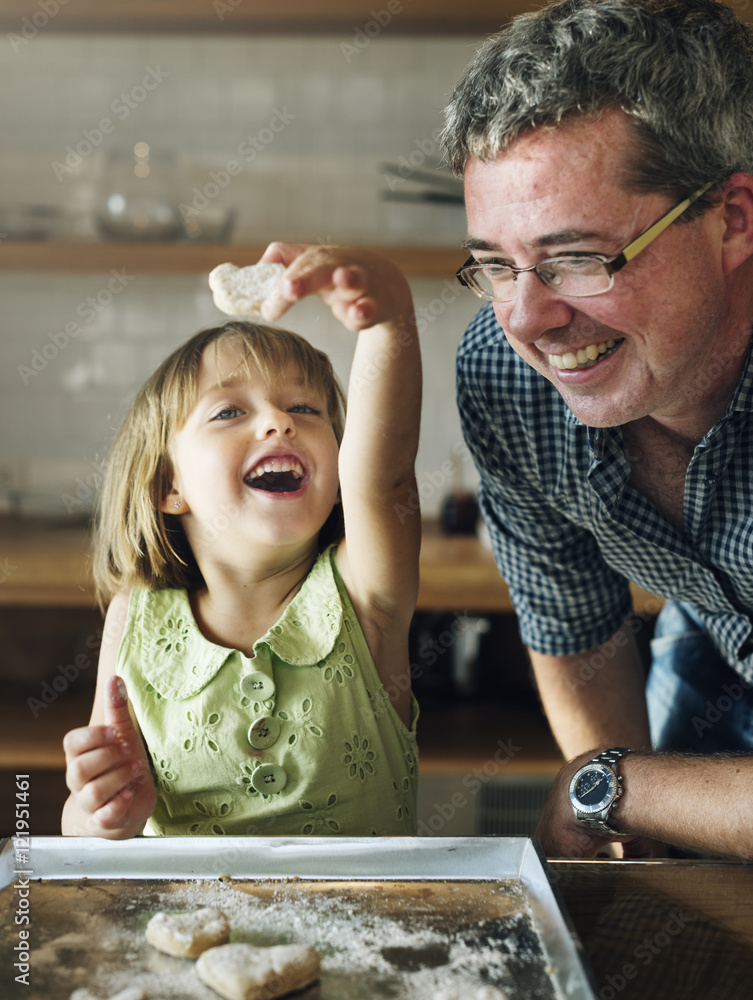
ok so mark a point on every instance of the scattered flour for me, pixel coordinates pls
(412, 940)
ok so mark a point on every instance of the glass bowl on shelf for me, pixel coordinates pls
(137, 196)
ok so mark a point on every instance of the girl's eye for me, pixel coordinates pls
(227, 414)
(302, 408)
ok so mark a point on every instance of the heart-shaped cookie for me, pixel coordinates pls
(187, 935)
(240, 291)
(244, 972)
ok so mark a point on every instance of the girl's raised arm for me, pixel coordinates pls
(371, 297)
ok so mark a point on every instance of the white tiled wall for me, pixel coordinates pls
(310, 121)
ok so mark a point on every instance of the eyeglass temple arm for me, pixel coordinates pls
(650, 234)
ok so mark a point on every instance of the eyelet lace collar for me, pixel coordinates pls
(181, 660)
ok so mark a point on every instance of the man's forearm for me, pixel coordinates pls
(697, 803)
(595, 698)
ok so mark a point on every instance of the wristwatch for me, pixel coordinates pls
(595, 788)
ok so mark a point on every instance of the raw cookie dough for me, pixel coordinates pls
(243, 972)
(240, 291)
(187, 935)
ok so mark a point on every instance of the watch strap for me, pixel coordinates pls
(610, 757)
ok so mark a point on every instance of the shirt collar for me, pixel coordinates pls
(183, 660)
(742, 398)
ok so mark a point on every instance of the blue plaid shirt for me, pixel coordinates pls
(568, 532)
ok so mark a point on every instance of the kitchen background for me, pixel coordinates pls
(294, 134)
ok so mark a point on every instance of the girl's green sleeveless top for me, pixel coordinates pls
(299, 740)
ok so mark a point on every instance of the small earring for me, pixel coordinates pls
(176, 503)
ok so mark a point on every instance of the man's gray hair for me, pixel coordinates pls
(682, 70)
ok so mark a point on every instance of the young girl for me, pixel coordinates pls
(265, 654)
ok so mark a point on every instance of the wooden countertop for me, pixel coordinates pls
(45, 565)
(659, 930)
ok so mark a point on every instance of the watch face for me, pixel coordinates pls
(593, 788)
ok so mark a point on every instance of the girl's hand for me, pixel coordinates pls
(107, 770)
(362, 288)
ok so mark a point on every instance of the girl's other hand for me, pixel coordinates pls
(107, 770)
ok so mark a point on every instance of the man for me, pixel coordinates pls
(607, 150)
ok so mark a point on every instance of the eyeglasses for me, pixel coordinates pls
(574, 274)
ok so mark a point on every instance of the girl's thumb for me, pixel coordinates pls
(116, 706)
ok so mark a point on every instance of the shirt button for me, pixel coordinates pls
(264, 732)
(710, 480)
(269, 779)
(257, 686)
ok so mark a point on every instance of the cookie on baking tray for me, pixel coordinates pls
(187, 935)
(244, 972)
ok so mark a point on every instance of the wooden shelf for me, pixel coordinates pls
(228, 16)
(190, 258)
(232, 16)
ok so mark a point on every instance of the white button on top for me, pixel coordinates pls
(269, 779)
(257, 686)
(264, 732)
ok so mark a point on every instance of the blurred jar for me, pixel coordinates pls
(137, 199)
(459, 514)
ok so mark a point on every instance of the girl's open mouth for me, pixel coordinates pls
(275, 482)
(276, 476)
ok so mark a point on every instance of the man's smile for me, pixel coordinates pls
(585, 357)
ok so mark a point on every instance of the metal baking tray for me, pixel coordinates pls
(407, 917)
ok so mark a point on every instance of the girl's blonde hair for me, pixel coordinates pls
(135, 543)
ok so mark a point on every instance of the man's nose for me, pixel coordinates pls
(535, 309)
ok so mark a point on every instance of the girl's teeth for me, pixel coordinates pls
(293, 467)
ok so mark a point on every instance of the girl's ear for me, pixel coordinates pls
(173, 503)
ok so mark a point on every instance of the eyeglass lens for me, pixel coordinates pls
(577, 276)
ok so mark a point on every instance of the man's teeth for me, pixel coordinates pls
(273, 465)
(585, 357)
